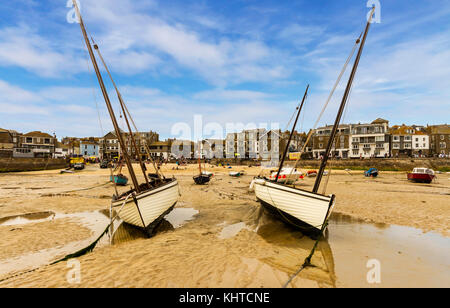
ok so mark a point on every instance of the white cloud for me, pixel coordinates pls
(22, 47)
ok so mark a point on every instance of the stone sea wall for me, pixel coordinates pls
(31, 164)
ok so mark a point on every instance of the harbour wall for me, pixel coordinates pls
(14, 164)
(382, 164)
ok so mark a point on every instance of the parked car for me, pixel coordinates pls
(78, 166)
(105, 164)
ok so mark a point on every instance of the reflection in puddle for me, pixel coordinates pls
(26, 218)
(124, 232)
(232, 230)
(408, 257)
(179, 216)
(291, 248)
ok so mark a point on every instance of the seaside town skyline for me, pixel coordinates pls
(378, 139)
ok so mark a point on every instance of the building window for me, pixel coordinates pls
(320, 145)
(367, 146)
(46, 141)
(355, 152)
(396, 146)
(417, 145)
(443, 145)
(442, 137)
(355, 139)
(379, 138)
(355, 146)
(407, 138)
(407, 145)
(396, 138)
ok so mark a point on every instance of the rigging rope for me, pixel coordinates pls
(344, 68)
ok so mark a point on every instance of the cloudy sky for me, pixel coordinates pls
(246, 61)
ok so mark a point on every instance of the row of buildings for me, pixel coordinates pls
(378, 139)
(370, 140)
(363, 140)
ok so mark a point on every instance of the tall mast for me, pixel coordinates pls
(342, 107)
(107, 101)
(292, 133)
(122, 105)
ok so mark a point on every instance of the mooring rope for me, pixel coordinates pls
(307, 262)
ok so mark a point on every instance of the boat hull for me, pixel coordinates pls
(119, 180)
(420, 177)
(201, 179)
(149, 206)
(302, 209)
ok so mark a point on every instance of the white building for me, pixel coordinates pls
(370, 140)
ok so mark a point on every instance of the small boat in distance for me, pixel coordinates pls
(287, 175)
(119, 179)
(372, 172)
(421, 175)
(202, 178)
(311, 173)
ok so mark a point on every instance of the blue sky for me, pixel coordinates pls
(229, 61)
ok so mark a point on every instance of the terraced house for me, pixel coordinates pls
(340, 147)
(36, 144)
(9, 139)
(439, 139)
(408, 141)
(370, 140)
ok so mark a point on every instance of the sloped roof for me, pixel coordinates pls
(402, 130)
(160, 143)
(380, 121)
(38, 134)
(440, 129)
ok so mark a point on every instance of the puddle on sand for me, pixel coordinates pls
(179, 216)
(26, 218)
(124, 232)
(408, 257)
(232, 230)
(95, 221)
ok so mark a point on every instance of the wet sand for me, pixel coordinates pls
(220, 237)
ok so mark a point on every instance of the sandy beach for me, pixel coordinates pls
(218, 235)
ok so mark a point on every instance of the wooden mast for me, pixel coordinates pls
(342, 107)
(107, 101)
(292, 133)
(122, 105)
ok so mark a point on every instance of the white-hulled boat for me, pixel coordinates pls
(146, 204)
(303, 209)
(300, 208)
(147, 208)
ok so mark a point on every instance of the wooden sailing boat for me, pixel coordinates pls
(306, 210)
(146, 204)
(201, 178)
